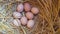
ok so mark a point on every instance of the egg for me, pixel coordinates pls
(20, 7)
(17, 22)
(17, 15)
(35, 10)
(27, 7)
(24, 20)
(29, 15)
(30, 23)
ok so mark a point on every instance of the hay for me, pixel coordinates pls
(48, 19)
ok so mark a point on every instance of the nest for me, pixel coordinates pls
(48, 19)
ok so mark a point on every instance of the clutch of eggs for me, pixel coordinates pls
(27, 18)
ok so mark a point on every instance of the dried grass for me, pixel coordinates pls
(48, 19)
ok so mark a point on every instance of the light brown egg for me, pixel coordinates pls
(17, 15)
(20, 7)
(27, 7)
(34, 10)
(30, 23)
(17, 22)
(29, 15)
(24, 20)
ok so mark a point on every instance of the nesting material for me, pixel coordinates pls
(48, 17)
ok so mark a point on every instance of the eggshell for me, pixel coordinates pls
(27, 7)
(34, 10)
(17, 22)
(30, 23)
(20, 7)
(17, 15)
(24, 20)
(29, 15)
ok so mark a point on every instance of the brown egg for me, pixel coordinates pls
(29, 15)
(17, 22)
(20, 7)
(34, 10)
(17, 15)
(30, 23)
(27, 7)
(24, 20)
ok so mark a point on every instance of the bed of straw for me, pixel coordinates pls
(47, 21)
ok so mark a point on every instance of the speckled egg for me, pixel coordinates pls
(29, 15)
(17, 15)
(34, 10)
(24, 20)
(27, 7)
(30, 23)
(20, 7)
(17, 22)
